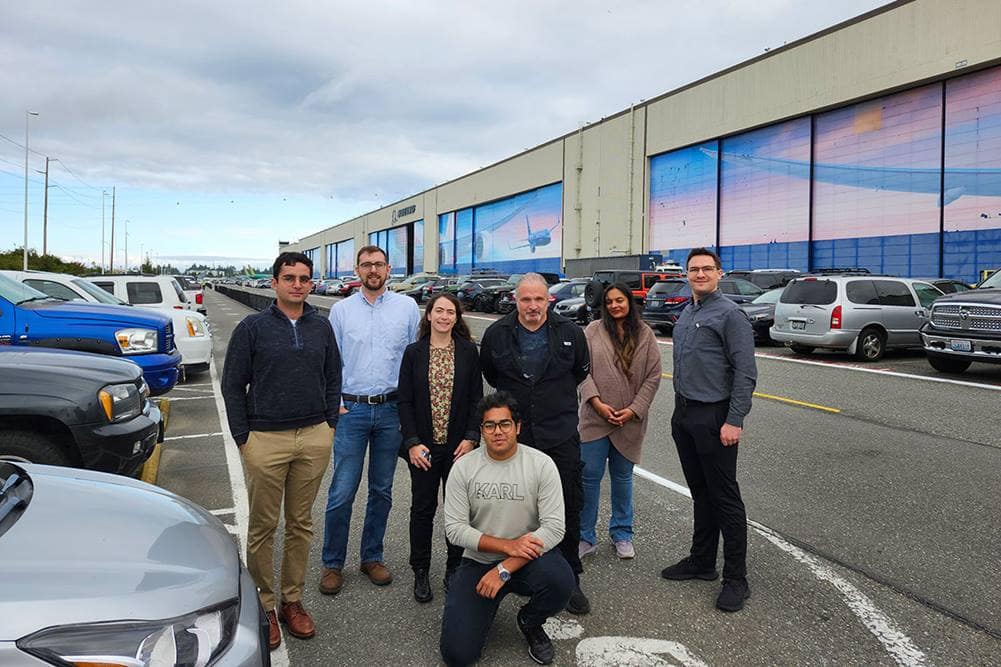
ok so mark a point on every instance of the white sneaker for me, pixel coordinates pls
(624, 549)
(585, 548)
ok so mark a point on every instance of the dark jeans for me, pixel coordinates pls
(424, 485)
(711, 473)
(547, 581)
(566, 456)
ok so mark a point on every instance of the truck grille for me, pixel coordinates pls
(966, 317)
(168, 339)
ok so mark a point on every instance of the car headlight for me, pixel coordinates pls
(195, 328)
(136, 341)
(121, 401)
(759, 317)
(188, 641)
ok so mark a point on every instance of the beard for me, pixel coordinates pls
(373, 282)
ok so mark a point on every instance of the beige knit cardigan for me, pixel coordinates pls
(607, 381)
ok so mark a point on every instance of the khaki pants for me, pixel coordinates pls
(277, 463)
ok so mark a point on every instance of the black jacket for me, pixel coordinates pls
(549, 406)
(415, 396)
(279, 376)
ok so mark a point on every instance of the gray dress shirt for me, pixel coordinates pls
(714, 355)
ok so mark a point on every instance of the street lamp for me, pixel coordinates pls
(104, 193)
(27, 115)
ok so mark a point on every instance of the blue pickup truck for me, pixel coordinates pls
(29, 317)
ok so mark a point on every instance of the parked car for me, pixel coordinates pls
(964, 328)
(639, 282)
(80, 409)
(99, 569)
(410, 282)
(193, 291)
(766, 279)
(328, 287)
(471, 290)
(862, 314)
(192, 333)
(670, 268)
(948, 285)
(436, 286)
(347, 287)
(32, 318)
(667, 298)
(147, 291)
(739, 290)
(573, 309)
(492, 296)
(761, 313)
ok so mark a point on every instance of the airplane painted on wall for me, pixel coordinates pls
(958, 182)
(539, 237)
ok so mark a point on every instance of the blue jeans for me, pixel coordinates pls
(375, 428)
(620, 471)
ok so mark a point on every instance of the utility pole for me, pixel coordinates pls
(111, 257)
(45, 211)
(27, 115)
(126, 246)
(104, 193)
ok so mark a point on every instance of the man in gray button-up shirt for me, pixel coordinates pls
(714, 378)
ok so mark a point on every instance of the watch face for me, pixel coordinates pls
(504, 574)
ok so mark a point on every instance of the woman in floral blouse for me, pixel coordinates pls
(440, 385)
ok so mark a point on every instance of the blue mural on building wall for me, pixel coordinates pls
(880, 197)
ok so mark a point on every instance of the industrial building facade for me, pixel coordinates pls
(875, 143)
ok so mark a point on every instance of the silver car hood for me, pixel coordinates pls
(65, 561)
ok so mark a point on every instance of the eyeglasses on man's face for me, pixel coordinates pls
(708, 270)
(505, 425)
(368, 266)
(289, 279)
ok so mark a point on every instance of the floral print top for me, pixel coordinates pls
(441, 372)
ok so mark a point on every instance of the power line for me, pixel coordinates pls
(73, 174)
(21, 145)
(72, 196)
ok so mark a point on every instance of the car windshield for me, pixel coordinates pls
(993, 281)
(771, 296)
(187, 282)
(99, 294)
(16, 292)
(810, 292)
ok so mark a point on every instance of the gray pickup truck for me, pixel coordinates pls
(79, 409)
(965, 327)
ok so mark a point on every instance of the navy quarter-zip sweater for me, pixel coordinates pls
(279, 375)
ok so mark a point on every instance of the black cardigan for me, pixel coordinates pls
(415, 396)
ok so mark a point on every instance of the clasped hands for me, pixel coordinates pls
(527, 547)
(610, 414)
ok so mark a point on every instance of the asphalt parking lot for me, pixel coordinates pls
(872, 493)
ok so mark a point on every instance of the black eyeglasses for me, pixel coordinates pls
(505, 425)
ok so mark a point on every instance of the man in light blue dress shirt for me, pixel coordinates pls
(372, 328)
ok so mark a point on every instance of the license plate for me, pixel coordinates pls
(653, 305)
(960, 345)
(797, 325)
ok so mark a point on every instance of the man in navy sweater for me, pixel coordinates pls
(282, 389)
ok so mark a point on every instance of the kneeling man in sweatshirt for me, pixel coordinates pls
(504, 506)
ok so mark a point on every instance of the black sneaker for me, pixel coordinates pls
(540, 647)
(422, 586)
(687, 568)
(578, 602)
(733, 594)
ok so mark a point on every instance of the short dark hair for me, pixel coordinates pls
(368, 250)
(290, 259)
(499, 399)
(695, 252)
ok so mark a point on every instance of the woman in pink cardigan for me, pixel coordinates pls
(614, 402)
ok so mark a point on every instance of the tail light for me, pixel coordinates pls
(836, 318)
(676, 299)
(551, 298)
(198, 298)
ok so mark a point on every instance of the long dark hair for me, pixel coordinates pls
(460, 330)
(626, 344)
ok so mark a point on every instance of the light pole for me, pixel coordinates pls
(126, 247)
(27, 115)
(104, 193)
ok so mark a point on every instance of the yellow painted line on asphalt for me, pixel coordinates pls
(783, 399)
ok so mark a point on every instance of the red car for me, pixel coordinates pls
(347, 288)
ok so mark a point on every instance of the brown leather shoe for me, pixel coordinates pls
(274, 632)
(297, 620)
(331, 581)
(377, 573)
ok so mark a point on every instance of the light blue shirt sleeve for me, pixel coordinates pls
(371, 338)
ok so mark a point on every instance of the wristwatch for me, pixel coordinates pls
(502, 571)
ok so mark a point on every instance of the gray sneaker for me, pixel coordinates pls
(624, 549)
(585, 548)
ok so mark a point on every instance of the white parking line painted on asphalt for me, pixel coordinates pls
(188, 437)
(238, 485)
(874, 371)
(188, 387)
(897, 644)
(223, 511)
(189, 398)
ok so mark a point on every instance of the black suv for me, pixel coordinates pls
(965, 327)
(75, 409)
(766, 279)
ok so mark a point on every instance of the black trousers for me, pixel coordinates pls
(566, 456)
(424, 485)
(547, 581)
(711, 473)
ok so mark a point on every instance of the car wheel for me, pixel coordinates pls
(871, 345)
(593, 292)
(479, 303)
(801, 349)
(948, 365)
(30, 447)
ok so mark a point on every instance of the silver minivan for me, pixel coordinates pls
(862, 314)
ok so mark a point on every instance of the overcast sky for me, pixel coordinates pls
(226, 126)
